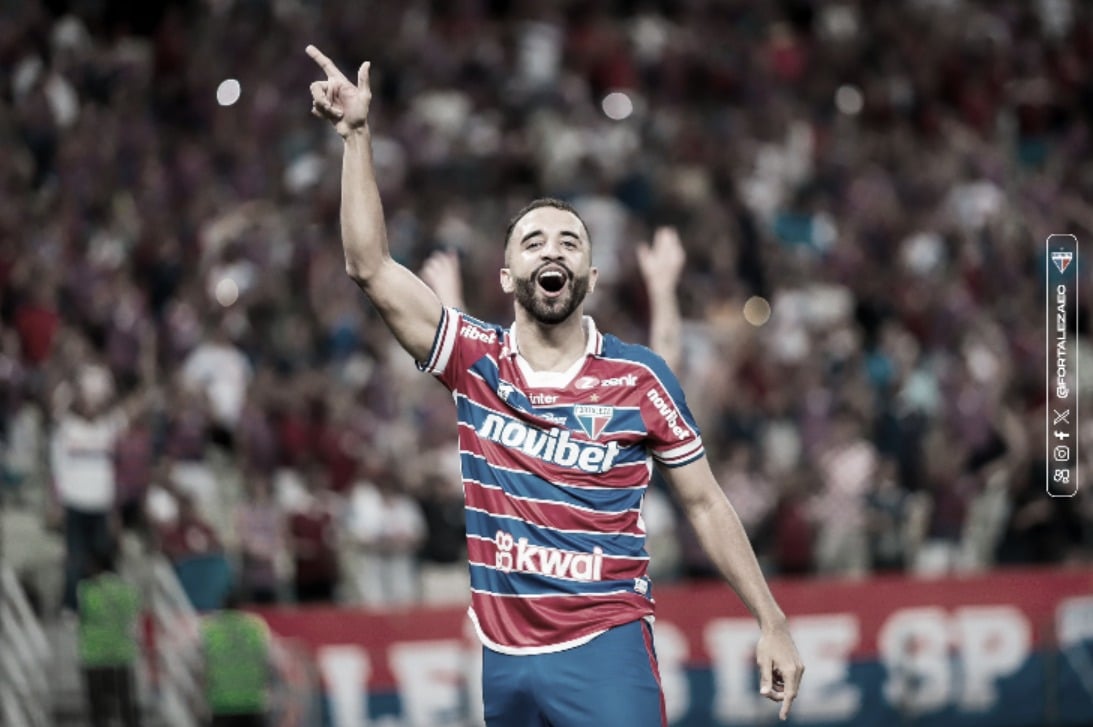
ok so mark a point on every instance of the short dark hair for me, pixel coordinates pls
(535, 204)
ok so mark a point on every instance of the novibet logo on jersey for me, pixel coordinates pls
(552, 446)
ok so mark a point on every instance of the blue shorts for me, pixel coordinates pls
(612, 681)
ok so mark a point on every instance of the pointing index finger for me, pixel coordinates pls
(792, 686)
(325, 63)
(787, 701)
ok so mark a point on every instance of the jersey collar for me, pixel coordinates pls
(593, 339)
(553, 379)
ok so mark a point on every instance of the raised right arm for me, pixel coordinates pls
(408, 306)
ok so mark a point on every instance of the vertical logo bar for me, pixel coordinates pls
(1061, 278)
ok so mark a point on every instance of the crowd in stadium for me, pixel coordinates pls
(183, 358)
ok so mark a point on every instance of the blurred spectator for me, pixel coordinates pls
(109, 612)
(197, 555)
(847, 467)
(220, 371)
(84, 477)
(188, 535)
(662, 533)
(661, 265)
(443, 555)
(386, 529)
(186, 445)
(887, 521)
(752, 494)
(36, 321)
(22, 442)
(794, 534)
(134, 462)
(259, 527)
(313, 533)
(1039, 529)
(950, 488)
(256, 439)
(237, 655)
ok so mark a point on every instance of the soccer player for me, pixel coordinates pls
(558, 425)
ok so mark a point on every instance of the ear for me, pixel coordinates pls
(507, 283)
(593, 274)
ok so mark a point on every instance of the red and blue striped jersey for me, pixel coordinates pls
(555, 466)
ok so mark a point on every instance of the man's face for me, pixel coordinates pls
(549, 264)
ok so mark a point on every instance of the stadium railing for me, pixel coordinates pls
(24, 658)
(173, 664)
(174, 656)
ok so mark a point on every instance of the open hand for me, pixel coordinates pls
(441, 272)
(337, 99)
(662, 262)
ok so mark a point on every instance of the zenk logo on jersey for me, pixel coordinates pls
(593, 419)
(591, 382)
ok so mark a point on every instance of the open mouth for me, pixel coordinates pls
(552, 280)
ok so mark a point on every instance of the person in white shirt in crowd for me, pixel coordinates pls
(82, 444)
(847, 465)
(387, 528)
(218, 368)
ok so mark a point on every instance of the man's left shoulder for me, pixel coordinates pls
(636, 355)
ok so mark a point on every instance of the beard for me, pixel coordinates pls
(550, 311)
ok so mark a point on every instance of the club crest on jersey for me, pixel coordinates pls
(504, 390)
(593, 419)
(1062, 259)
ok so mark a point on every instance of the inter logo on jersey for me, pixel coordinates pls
(593, 419)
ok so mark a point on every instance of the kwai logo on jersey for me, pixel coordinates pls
(593, 419)
(523, 557)
(552, 446)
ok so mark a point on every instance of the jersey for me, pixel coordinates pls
(109, 609)
(555, 466)
(237, 673)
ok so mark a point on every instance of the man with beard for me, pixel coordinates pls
(557, 423)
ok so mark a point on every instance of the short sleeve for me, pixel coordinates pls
(444, 341)
(460, 340)
(673, 437)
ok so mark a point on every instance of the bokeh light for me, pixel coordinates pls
(849, 100)
(617, 106)
(756, 310)
(228, 92)
(227, 292)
